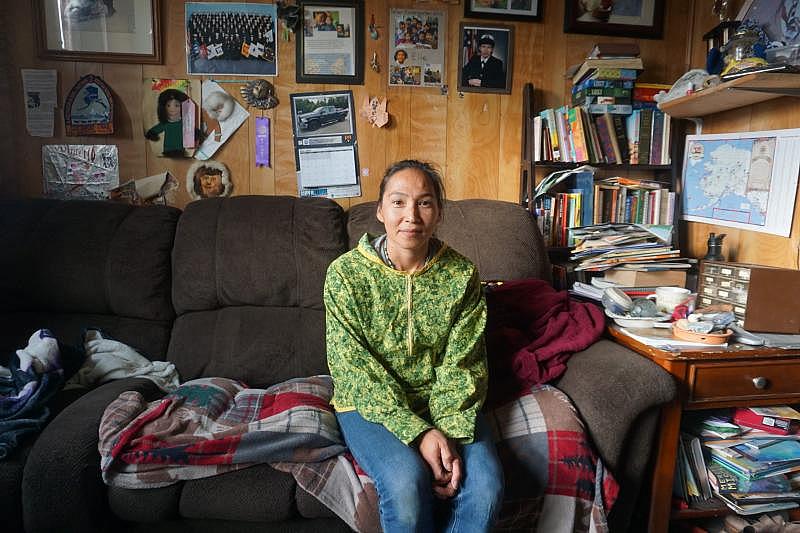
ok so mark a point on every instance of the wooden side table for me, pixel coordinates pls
(735, 376)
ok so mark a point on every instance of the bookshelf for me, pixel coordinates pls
(666, 174)
(744, 91)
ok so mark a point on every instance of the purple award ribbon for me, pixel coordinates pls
(262, 141)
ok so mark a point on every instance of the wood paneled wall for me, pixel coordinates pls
(781, 113)
(474, 138)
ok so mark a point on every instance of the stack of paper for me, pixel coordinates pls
(604, 246)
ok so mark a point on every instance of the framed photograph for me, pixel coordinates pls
(115, 31)
(778, 18)
(486, 59)
(330, 46)
(417, 47)
(525, 10)
(627, 18)
(231, 38)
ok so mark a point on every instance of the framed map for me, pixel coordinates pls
(745, 180)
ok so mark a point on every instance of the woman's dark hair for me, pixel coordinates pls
(164, 97)
(427, 169)
(398, 51)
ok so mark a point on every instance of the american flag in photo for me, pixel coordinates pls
(470, 45)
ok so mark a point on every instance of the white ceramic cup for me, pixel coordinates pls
(668, 297)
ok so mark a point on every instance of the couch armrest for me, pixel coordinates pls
(612, 386)
(61, 488)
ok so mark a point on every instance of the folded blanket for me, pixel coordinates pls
(34, 375)
(213, 425)
(107, 359)
(531, 332)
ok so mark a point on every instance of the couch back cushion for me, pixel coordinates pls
(248, 275)
(68, 265)
(501, 238)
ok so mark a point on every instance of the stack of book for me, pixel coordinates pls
(603, 83)
(750, 470)
(605, 246)
(637, 201)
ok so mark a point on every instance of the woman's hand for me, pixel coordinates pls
(442, 456)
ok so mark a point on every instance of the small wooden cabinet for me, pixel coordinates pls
(713, 377)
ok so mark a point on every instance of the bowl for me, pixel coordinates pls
(616, 301)
(679, 330)
(627, 321)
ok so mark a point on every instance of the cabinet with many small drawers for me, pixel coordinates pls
(762, 297)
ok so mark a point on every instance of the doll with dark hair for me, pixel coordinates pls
(169, 122)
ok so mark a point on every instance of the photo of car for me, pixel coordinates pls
(322, 116)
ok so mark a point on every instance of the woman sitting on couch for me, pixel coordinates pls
(405, 321)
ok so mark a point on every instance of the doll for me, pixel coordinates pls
(169, 122)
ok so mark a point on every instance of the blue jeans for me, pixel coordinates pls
(404, 481)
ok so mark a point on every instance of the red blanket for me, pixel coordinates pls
(531, 331)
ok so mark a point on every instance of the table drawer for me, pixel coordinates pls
(742, 380)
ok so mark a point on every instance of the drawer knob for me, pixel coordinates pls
(760, 382)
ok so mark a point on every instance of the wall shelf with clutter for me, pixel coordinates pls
(740, 92)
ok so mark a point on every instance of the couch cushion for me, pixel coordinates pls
(69, 265)
(501, 238)
(247, 287)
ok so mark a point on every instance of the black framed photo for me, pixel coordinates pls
(525, 10)
(626, 18)
(486, 59)
(330, 44)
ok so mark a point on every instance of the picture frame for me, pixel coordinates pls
(494, 76)
(417, 48)
(643, 19)
(231, 38)
(107, 31)
(330, 42)
(522, 10)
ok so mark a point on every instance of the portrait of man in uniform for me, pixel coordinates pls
(486, 60)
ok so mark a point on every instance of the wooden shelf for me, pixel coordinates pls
(622, 166)
(747, 90)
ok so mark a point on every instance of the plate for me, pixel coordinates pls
(638, 321)
(706, 338)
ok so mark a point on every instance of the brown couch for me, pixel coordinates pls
(232, 287)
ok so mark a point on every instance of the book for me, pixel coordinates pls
(605, 50)
(632, 131)
(645, 92)
(589, 66)
(605, 137)
(578, 134)
(635, 278)
(766, 420)
(656, 137)
(602, 83)
(621, 137)
(645, 132)
(617, 109)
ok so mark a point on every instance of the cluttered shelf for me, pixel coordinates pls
(740, 92)
(557, 165)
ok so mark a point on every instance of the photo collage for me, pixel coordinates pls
(417, 57)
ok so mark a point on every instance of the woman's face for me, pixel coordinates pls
(173, 108)
(400, 56)
(409, 211)
(210, 185)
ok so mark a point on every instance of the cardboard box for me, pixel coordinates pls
(763, 298)
(640, 278)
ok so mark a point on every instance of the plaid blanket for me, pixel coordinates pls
(554, 481)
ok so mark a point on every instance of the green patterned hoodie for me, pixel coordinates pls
(406, 350)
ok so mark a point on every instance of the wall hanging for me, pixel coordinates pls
(259, 94)
(221, 117)
(208, 179)
(231, 38)
(170, 116)
(98, 31)
(330, 47)
(79, 171)
(417, 52)
(89, 108)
